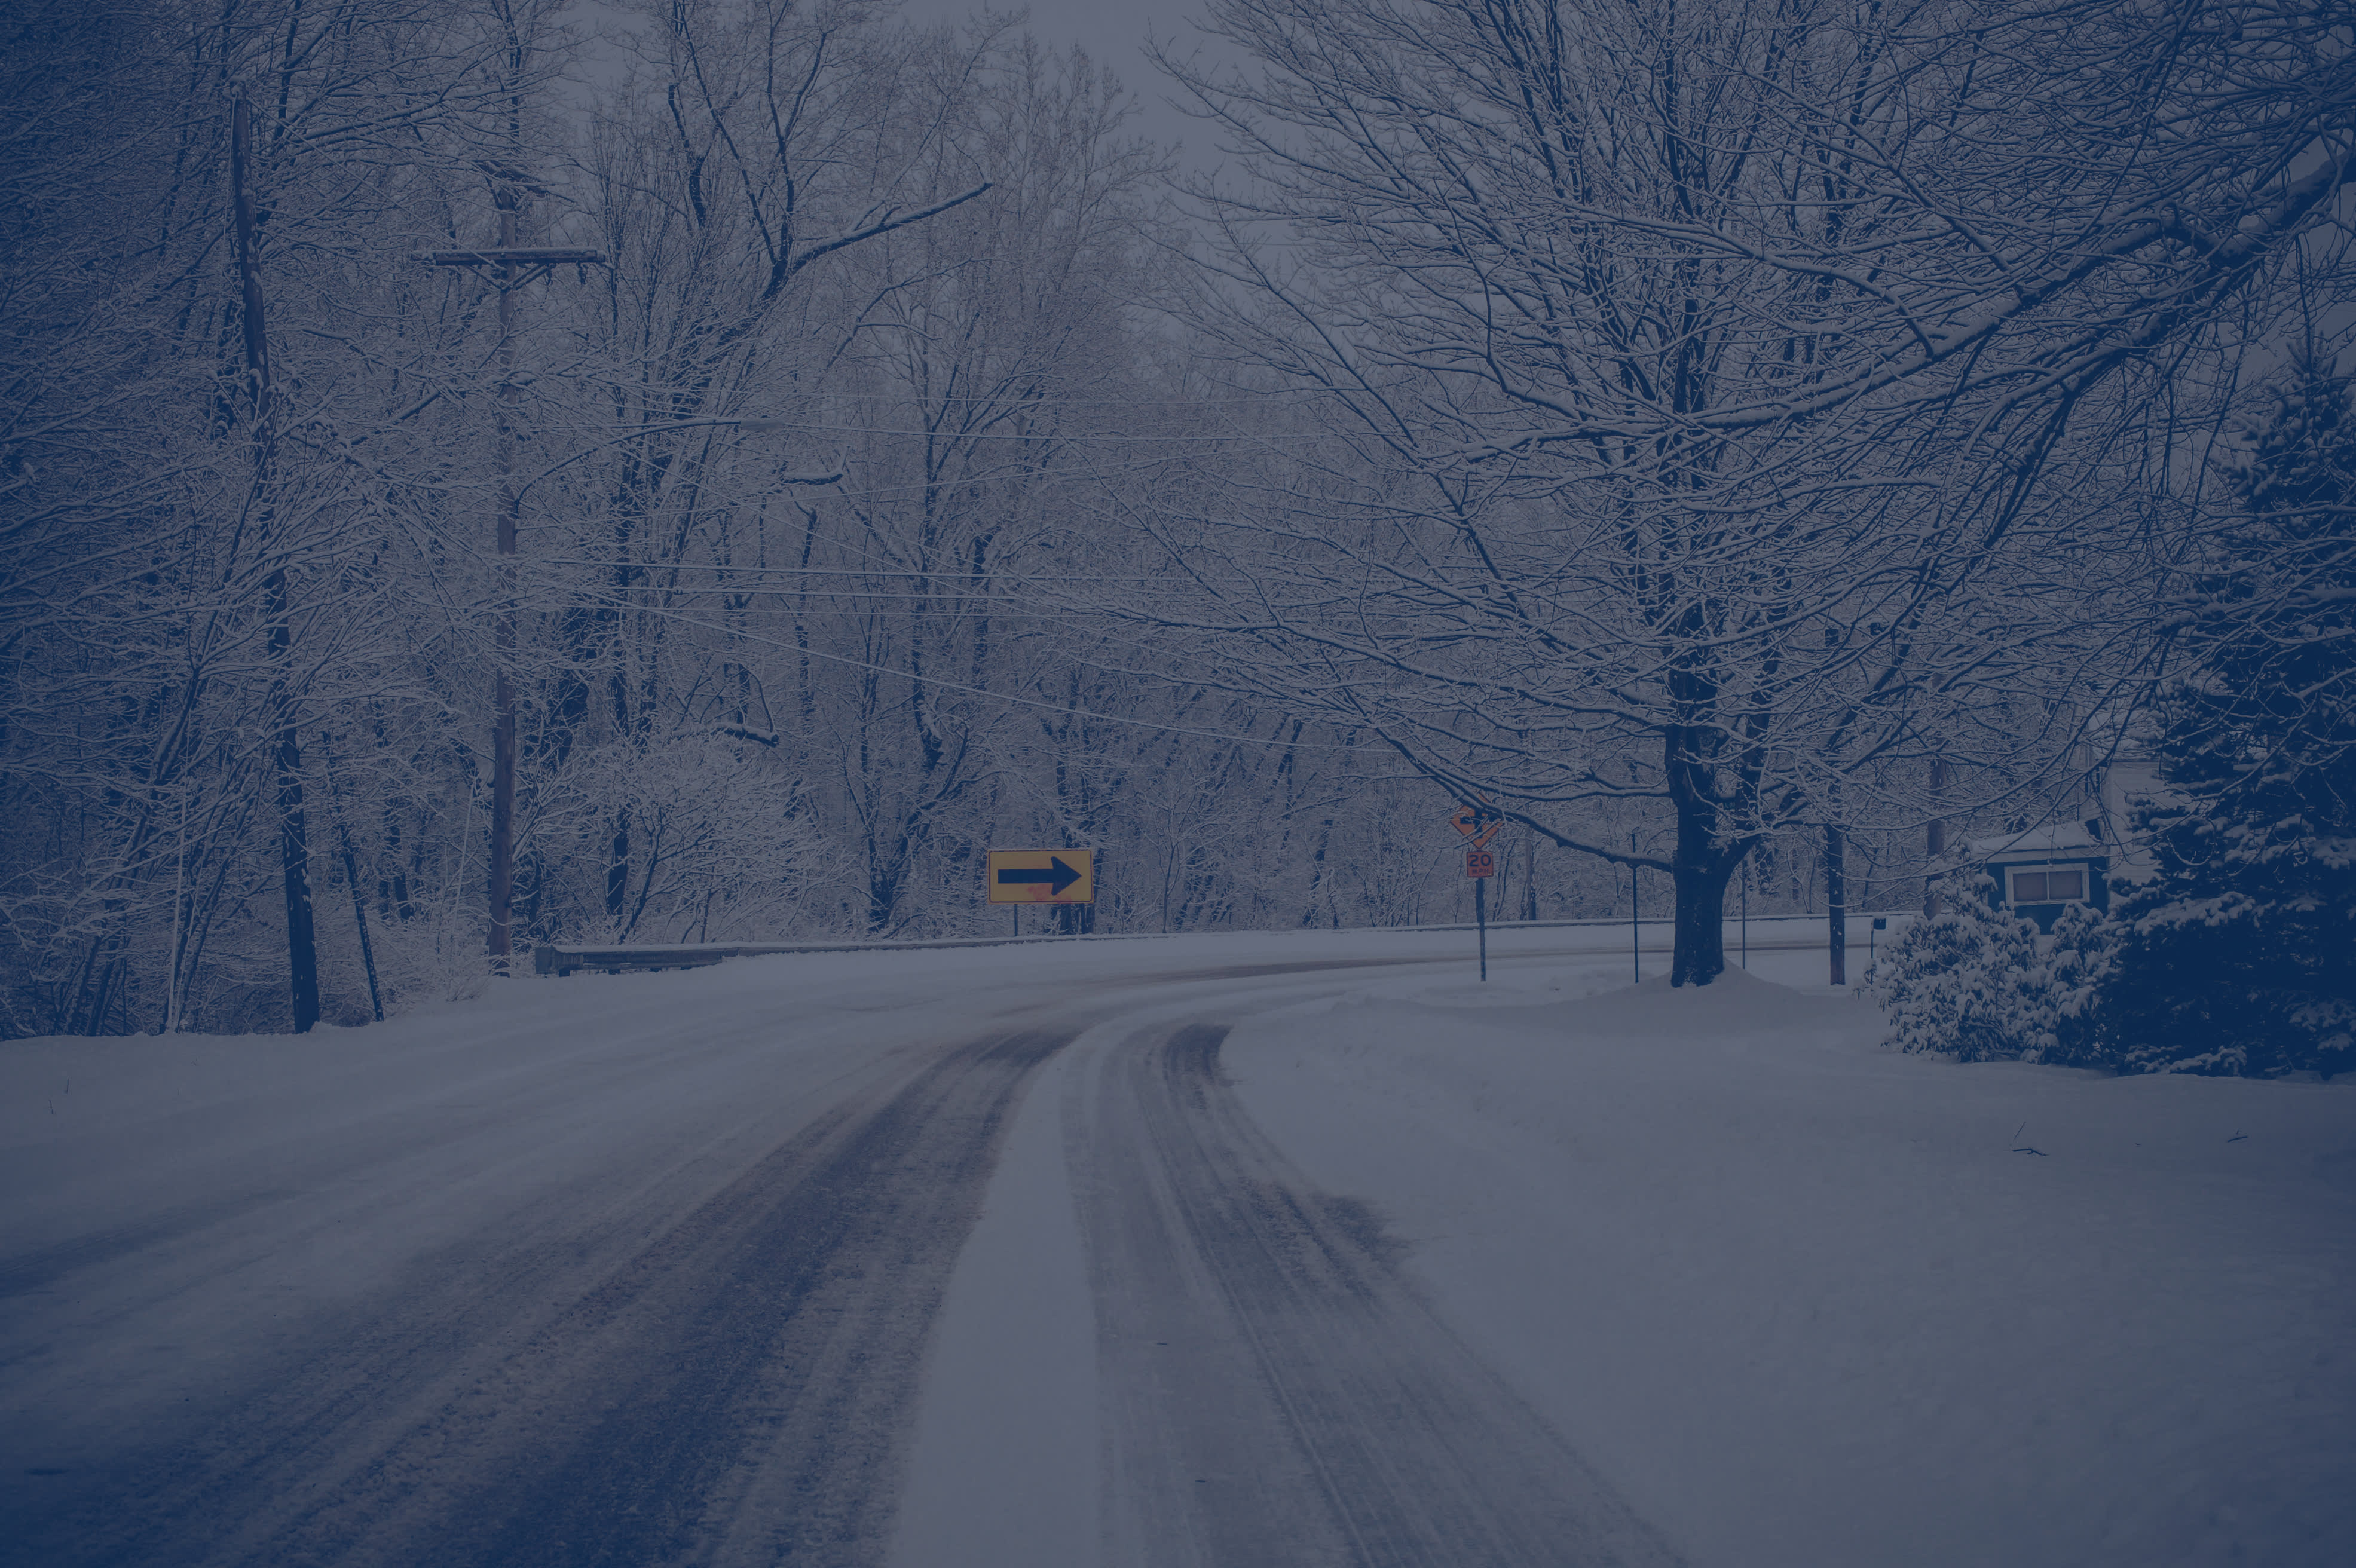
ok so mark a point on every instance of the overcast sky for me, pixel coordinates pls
(1113, 31)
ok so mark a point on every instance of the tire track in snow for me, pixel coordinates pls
(740, 1390)
(1278, 1393)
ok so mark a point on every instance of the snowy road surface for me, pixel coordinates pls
(1228, 1250)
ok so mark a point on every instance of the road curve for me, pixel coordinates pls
(710, 1346)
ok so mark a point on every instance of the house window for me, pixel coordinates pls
(2049, 886)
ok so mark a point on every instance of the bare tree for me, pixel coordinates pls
(204, 534)
(987, 355)
(1722, 404)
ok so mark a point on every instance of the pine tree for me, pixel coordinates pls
(2239, 956)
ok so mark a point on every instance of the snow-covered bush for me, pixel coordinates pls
(1980, 984)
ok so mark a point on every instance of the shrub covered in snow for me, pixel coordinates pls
(1980, 984)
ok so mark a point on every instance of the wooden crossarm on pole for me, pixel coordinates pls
(518, 264)
(522, 256)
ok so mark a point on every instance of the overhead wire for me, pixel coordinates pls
(1018, 435)
(1064, 708)
(944, 575)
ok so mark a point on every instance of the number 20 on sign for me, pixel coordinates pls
(1479, 862)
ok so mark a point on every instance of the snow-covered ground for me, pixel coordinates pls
(1798, 1299)
(1810, 1302)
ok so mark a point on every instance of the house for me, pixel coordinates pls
(2042, 871)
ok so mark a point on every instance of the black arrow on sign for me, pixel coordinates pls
(1057, 879)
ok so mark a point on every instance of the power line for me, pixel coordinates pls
(1036, 435)
(1066, 403)
(845, 572)
(1063, 708)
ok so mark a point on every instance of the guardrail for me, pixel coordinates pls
(563, 958)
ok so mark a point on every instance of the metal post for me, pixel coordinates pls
(1480, 914)
(1635, 951)
(1746, 914)
(1934, 840)
(1837, 901)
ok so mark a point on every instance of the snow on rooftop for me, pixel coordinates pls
(2054, 838)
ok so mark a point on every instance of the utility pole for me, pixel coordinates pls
(512, 267)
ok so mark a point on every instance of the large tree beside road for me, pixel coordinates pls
(1727, 406)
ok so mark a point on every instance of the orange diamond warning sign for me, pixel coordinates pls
(1478, 823)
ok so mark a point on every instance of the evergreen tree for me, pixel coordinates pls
(2239, 956)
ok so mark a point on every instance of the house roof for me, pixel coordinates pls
(2054, 838)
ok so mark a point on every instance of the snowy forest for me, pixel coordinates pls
(734, 462)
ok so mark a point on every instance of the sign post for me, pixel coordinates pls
(1480, 824)
(1636, 892)
(1481, 864)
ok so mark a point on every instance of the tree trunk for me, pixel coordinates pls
(1702, 869)
(1704, 864)
(294, 854)
(351, 877)
(294, 839)
(617, 870)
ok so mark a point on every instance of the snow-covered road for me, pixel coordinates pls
(1283, 1250)
(644, 1270)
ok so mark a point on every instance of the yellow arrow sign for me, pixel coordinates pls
(1043, 877)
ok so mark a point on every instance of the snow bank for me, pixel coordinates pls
(1810, 1302)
